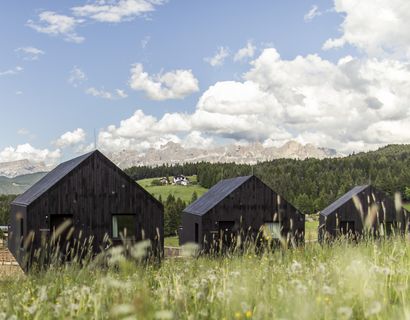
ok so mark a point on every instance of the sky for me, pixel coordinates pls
(136, 74)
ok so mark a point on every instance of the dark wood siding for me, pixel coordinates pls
(331, 225)
(249, 206)
(92, 192)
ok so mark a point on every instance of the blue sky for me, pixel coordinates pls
(39, 103)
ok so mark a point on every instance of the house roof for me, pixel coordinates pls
(215, 195)
(343, 199)
(49, 180)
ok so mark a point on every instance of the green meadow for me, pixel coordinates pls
(183, 192)
(369, 280)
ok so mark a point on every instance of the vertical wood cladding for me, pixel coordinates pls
(250, 206)
(92, 192)
(332, 223)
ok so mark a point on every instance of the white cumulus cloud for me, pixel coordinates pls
(219, 57)
(101, 93)
(30, 53)
(377, 27)
(352, 104)
(176, 84)
(312, 13)
(246, 52)
(55, 24)
(116, 10)
(70, 138)
(76, 77)
(11, 72)
(26, 151)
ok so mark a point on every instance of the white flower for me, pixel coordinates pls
(328, 290)
(373, 309)
(164, 315)
(345, 312)
(296, 266)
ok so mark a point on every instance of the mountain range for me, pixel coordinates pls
(17, 176)
(173, 153)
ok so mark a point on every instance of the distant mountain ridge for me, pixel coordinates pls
(173, 153)
(18, 185)
(17, 176)
(21, 167)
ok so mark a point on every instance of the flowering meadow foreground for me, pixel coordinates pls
(343, 281)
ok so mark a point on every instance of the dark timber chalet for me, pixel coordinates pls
(94, 197)
(242, 205)
(344, 217)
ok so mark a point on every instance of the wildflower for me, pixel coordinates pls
(32, 309)
(328, 290)
(321, 268)
(373, 309)
(296, 267)
(238, 315)
(42, 294)
(248, 314)
(164, 315)
(122, 309)
(220, 295)
(345, 312)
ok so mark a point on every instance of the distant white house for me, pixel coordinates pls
(181, 180)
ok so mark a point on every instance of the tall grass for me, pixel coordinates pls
(342, 280)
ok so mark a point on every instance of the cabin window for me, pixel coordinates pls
(21, 232)
(389, 228)
(271, 230)
(196, 233)
(123, 225)
(21, 227)
(347, 227)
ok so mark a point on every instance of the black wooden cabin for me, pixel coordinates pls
(242, 205)
(345, 217)
(94, 197)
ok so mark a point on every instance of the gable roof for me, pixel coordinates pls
(343, 199)
(215, 195)
(50, 179)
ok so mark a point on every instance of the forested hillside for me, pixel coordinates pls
(5, 201)
(309, 184)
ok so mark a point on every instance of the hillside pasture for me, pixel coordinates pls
(178, 191)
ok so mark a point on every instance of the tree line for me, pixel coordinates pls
(309, 184)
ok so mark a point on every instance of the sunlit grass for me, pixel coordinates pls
(345, 280)
(183, 192)
(171, 241)
(311, 227)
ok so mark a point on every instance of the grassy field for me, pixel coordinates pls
(311, 227)
(171, 241)
(345, 281)
(183, 192)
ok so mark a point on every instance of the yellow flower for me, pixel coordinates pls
(248, 314)
(238, 315)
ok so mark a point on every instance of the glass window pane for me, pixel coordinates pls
(123, 224)
(272, 230)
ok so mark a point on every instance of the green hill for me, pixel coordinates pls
(19, 184)
(183, 192)
(309, 184)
